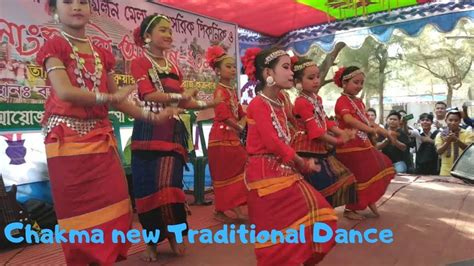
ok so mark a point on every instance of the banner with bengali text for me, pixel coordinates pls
(25, 26)
(23, 33)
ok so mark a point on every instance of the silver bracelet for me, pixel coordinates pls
(175, 96)
(100, 98)
(55, 68)
(201, 104)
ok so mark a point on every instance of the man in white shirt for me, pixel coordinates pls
(440, 116)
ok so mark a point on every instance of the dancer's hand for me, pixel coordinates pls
(121, 94)
(313, 166)
(306, 165)
(348, 134)
(166, 114)
(189, 94)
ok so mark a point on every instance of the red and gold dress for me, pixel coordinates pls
(373, 169)
(88, 182)
(279, 197)
(224, 147)
(334, 181)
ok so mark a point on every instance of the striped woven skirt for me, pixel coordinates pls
(90, 191)
(283, 202)
(335, 182)
(373, 171)
(227, 164)
(158, 190)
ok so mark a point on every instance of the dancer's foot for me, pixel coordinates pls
(352, 215)
(239, 215)
(150, 254)
(178, 249)
(221, 217)
(373, 208)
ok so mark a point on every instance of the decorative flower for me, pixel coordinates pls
(294, 59)
(338, 77)
(248, 62)
(213, 53)
(137, 37)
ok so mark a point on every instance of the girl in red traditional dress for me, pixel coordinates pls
(158, 151)
(224, 139)
(315, 138)
(372, 169)
(279, 197)
(87, 179)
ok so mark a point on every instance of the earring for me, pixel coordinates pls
(270, 81)
(56, 18)
(147, 42)
(299, 86)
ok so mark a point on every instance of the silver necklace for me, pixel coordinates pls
(69, 36)
(320, 115)
(276, 123)
(277, 103)
(80, 66)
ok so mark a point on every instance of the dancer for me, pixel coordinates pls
(88, 182)
(279, 197)
(158, 151)
(315, 138)
(373, 170)
(224, 140)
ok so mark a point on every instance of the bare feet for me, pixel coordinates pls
(353, 215)
(221, 217)
(178, 249)
(150, 254)
(374, 209)
(239, 215)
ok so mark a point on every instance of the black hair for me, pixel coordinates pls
(372, 110)
(260, 66)
(394, 113)
(458, 113)
(441, 102)
(427, 116)
(146, 21)
(402, 111)
(298, 75)
(52, 4)
(347, 71)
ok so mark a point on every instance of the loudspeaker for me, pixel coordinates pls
(463, 167)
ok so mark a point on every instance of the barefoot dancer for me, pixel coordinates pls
(224, 140)
(158, 153)
(315, 138)
(87, 179)
(279, 197)
(373, 170)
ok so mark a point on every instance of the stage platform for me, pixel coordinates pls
(432, 219)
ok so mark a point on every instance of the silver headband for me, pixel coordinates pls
(274, 56)
(353, 74)
(153, 19)
(303, 66)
